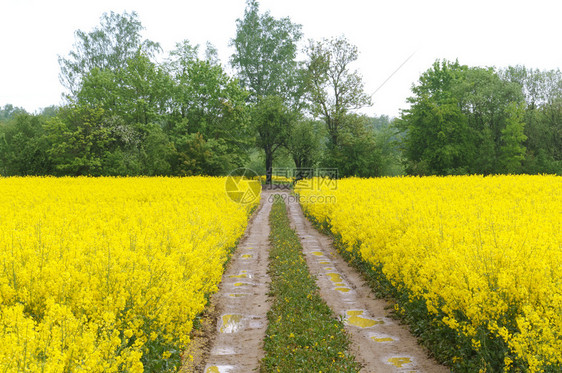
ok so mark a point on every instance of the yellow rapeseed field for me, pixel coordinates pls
(484, 253)
(105, 274)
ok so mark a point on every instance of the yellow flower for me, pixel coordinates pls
(95, 260)
(471, 246)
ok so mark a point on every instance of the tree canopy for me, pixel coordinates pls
(132, 111)
(466, 120)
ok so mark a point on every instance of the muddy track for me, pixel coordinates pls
(234, 341)
(379, 343)
(236, 321)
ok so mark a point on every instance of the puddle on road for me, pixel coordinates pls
(335, 277)
(343, 290)
(242, 284)
(355, 318)
(317, 253)
(382, 339)
(237, 295)
(324, 262)
(241, 275)
(247, 256)
(399, 361)
(231, 323)
(219, 369)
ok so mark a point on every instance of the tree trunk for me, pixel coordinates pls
(268, 166)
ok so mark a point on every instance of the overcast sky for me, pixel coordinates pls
(483, 33)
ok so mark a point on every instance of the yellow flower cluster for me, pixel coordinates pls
(93, 271)
(485, 253)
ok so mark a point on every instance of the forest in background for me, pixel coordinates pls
(131, 111)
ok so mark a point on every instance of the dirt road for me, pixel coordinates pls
(379, 343)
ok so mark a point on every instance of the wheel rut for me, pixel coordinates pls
(241, 305)
(379, 343)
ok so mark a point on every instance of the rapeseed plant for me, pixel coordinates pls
(108, 274)
(482, 254)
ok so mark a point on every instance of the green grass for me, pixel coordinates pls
(303, 334)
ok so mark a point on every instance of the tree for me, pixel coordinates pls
(436, 134)
(512, 148)
(357, 152)
(335, 90)
(387, 141)
(462, 120)
(265, 57)
(211, 122)
(437, 138)
(305, 143)
(542, 117)
(484, 99)
(9, 112)
(271, 120)
(158, 153)
(79, 138)
(107, 47)
(23, 147)
(139, 92)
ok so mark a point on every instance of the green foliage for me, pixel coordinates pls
(9, 111)
(357, 152)
(23, 148)
(79, 137)
(188, 112)
(187, 116)
(107, 47)
(333, 88)
(387, 140)
(438, 138)
(272, 122)
(158, 153)
(463, 120)
(542, 117)
(305, 143)
(138, 92)
(265, 55)
(265, 60)
(512, 148)
(303, 334)
(197, 156)
(206, 101)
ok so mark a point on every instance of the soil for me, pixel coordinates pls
(233, 329)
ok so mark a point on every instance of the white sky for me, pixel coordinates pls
(479, 33)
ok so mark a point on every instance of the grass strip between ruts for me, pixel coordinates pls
(303, 334)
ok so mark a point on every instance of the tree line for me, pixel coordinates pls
(474, 120)
(129, 112)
